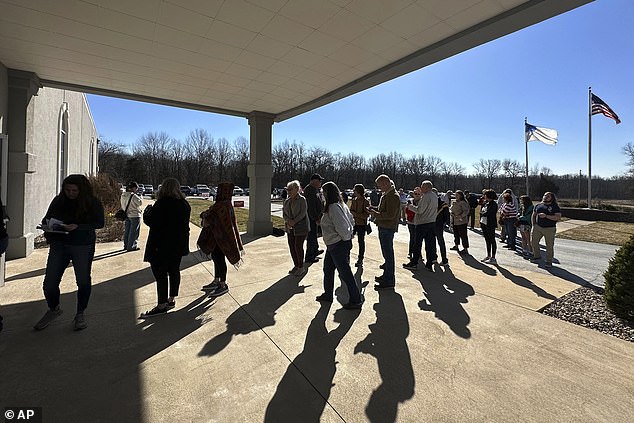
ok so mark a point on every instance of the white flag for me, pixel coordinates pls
(545, 135)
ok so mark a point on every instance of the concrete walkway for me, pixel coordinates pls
(462, 344)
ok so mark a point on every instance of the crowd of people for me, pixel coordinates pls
(75, 213)
(427, 214)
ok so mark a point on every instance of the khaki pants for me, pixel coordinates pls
(549, 238)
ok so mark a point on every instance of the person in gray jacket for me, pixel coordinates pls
(296, 225)
(425, 221)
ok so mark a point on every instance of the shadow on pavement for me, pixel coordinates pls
(444, 295)
(387, 342)
(298, 402)
(61, 370)
(525, 283)
(256, 314)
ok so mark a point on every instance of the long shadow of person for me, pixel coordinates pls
(471, 261)
(523, 282)
(294, 399)
(445, 299)
(387, 342)
(106, 360)
(256, 314)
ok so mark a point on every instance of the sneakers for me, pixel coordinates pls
(171, 304)
(430, 266)
(218, 291)
(535, 259)
(464, 252)
(48, 317)
(548, 264)
(292, 271)
(455, 248)
(410, 265)
(492, 260)
(444, 262)
(79, 322)
(379, 279)
(324, 298)
(156, 311)
(486, 259)
(213, 285)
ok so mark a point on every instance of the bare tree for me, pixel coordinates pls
(513, 170)
(199, 147)
(489, 168)
(628, 150)
(112, 158)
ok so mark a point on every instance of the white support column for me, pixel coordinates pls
(260, 172)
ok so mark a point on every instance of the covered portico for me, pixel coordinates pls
(267, 61)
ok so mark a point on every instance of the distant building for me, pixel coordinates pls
(45, 135)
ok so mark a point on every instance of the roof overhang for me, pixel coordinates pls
(234, 57)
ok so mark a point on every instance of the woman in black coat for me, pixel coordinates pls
(167, 242)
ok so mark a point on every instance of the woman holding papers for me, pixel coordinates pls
(69, 226)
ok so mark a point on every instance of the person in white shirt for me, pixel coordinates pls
(337, 224)
(132, 201)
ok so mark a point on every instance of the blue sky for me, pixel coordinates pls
(464, 108)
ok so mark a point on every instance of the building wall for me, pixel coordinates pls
(4, 99)
(44, 120)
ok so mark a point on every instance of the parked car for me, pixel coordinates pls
(141, 190)
(203, 191)
(237, 191)
(245, 191)
(186, 190)
(148, 189)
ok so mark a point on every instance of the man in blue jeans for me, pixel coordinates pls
(386, 217)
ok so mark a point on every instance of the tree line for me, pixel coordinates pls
(203, 159)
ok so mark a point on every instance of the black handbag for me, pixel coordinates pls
(122, 214)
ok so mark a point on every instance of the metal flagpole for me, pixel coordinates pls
(589, 147)
(526, 144)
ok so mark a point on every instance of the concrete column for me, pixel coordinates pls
(260, 172)
(22, 87)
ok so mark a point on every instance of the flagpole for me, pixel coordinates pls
(526, 144)
(589, 147)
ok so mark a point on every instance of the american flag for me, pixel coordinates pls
(599, 106)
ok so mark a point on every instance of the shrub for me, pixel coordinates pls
(107, 190)
(619, 281)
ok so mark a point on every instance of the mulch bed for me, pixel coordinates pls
(585, 307)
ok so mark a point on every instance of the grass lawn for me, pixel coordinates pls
(242, 215)
(614, 233)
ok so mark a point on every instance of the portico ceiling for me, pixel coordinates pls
(283, 57)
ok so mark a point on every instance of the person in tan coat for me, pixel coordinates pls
(359, 209)
(460, 216)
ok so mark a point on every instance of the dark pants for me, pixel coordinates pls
(472, 217)
(360, 231)
(412, 239)
(59, 256)
(426, 232)
(460, 234)
(220, 264)
(161, 270)
(296, 247)
(311, 242)
(338, 257)
(131, 233)
(488, 231)
(439, 233)
(386, 241)
(511, 232)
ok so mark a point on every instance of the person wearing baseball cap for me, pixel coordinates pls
(315, 210)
